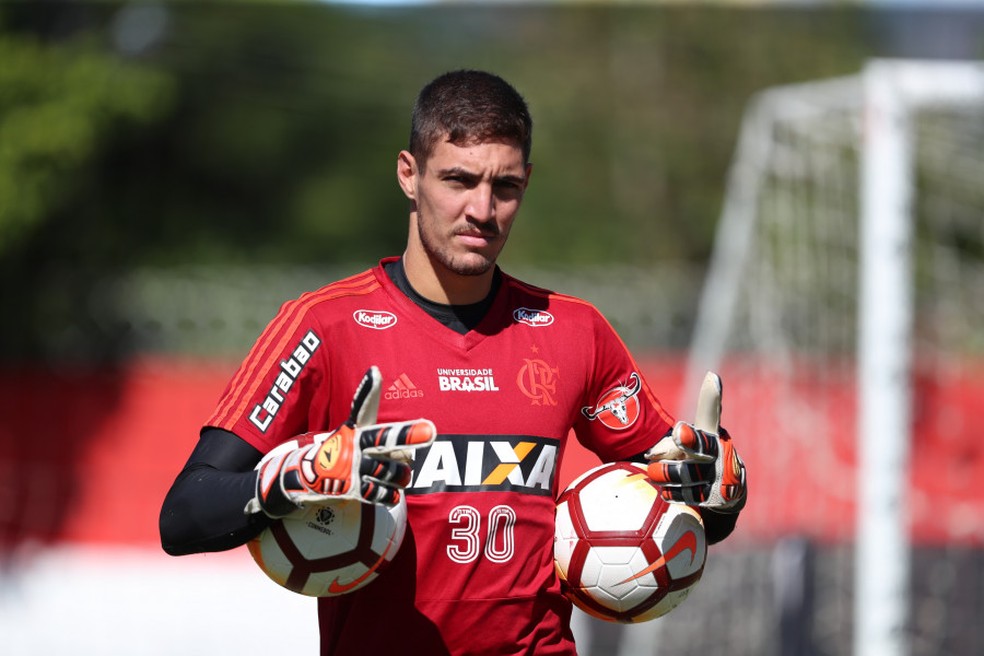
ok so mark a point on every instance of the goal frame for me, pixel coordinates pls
(886, 93)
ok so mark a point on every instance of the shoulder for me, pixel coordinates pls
(360, 284)
(356, 286)
(541, 298)
(329, 306)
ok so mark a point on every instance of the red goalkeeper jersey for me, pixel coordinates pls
(475, 573)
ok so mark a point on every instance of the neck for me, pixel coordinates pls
(437, 284)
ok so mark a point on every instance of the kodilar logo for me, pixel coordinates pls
(375, 319)
(534, 318)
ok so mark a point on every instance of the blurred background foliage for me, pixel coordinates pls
(261, 138)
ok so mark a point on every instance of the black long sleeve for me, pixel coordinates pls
(204, 509)
(717, 526)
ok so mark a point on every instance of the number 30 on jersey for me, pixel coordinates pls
(467, 543)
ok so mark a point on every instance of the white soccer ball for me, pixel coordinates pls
(623, 554)
(326, 551)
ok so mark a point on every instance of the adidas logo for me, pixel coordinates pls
(402, 388)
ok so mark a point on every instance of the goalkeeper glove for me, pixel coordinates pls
(697, 464)
(361, 460)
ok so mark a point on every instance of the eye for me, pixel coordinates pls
(508, 187)
(457, 181)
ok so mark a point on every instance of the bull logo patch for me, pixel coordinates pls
(617, 408)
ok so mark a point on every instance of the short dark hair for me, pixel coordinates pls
(469, 106)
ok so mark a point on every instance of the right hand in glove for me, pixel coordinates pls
(360, 460)
(697, 464)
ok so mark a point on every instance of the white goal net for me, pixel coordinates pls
(844, 309)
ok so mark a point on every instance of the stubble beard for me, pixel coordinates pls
(470, 264)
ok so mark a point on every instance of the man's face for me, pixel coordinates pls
(466, 199)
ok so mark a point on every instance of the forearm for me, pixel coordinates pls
(205, 508)
(204, 511)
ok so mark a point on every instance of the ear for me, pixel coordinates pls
(406, 174)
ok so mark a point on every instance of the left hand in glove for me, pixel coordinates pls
(697, 464)
(361, 460)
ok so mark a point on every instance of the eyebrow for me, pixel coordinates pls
(465, 173)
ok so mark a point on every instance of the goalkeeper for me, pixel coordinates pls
(502, 372)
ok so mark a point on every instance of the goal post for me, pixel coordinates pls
(893, 93)
(853, 213)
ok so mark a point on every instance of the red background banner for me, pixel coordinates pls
(86, 456)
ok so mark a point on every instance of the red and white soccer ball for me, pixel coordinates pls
(623, 554)
(326, 551)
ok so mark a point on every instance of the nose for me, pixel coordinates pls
(481, 203)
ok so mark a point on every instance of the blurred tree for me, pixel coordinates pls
(137, 135)
(59, 108)
(283, 123)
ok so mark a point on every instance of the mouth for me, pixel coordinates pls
(476, 237)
